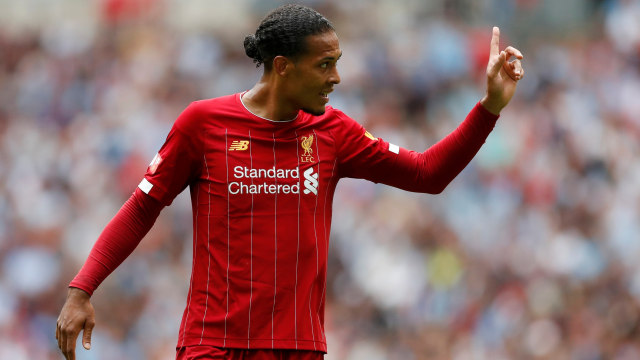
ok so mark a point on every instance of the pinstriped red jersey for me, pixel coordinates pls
(262, 195)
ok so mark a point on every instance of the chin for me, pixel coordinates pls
(315, 112)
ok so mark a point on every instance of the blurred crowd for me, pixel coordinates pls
(531, 253)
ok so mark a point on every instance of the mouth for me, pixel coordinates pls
(325, 94)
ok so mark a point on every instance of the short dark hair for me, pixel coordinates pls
(283, 32)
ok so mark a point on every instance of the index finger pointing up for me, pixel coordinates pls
(495, 42)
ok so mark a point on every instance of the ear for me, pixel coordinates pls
(282, 65)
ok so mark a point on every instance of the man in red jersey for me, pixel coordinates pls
(262, 167)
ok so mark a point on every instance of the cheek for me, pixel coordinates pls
(308, 84)
(312, 79)
(306, 89)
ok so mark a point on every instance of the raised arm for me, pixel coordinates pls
(432, 170)
(502, 74)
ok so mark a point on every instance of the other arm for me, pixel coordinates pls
(176, 165)
(119, 238)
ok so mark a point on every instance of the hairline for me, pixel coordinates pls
(303, 51)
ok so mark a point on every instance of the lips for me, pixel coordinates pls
(325, 93)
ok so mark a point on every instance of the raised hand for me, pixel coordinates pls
(502, 74)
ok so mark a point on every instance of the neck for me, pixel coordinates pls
(266, 101)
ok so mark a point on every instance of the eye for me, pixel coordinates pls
(324, 65)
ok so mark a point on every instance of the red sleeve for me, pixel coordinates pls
(118, 239)
(363, 156)
(179, 160)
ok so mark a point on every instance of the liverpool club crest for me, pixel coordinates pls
(307, 146)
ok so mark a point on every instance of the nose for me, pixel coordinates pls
(334, 77)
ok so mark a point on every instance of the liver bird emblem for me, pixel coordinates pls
(307, 142)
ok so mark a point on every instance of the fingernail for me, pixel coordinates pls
(87, 346)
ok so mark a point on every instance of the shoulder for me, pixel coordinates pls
(334, 117)
(196, 113)
(333, 113)
(214, 105)
(339, 119)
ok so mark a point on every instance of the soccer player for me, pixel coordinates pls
(262, 167)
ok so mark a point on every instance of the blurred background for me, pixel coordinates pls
(531, 253)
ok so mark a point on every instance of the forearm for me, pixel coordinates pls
(447, 158)
(118, 240)
(432, 170)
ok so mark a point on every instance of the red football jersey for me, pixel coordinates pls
(262, 195)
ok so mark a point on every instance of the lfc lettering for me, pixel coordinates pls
(307, 146)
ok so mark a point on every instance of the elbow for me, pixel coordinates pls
(437, 189)
(431, 184)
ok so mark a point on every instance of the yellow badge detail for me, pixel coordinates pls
(239, 145)
(368, 134)
(307, 146)
(153, 165)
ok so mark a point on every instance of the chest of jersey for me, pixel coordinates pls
(250, 168)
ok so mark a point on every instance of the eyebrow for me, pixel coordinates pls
(331, 57)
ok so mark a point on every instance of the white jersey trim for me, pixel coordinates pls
(226, 146)
(206, 302)
(145, 186)
(263, 118)
(251, 252)
(275, 241)
(295, 291)
(326, 242)
(315, 232)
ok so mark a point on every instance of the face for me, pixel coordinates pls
(314, 73)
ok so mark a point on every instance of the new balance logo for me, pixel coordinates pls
(310, 181)
(239, 145)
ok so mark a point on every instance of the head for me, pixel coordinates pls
(299, 49)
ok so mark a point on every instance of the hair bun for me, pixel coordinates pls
(251, 48)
